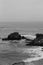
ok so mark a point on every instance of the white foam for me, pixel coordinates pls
(29, 36)
(38, 56)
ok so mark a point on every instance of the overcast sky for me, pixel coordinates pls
(21, 10)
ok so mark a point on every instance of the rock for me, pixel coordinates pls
(4, 39)
(23, 37)
(39, 35)
(38, 41)
(13, 36)
(19, 63)
(35, 43)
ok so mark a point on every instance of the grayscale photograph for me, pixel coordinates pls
(21, 32)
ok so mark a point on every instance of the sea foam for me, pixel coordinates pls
(29, 36)
(38, 54)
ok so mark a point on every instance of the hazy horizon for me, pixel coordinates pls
(21, 10)
(21, 27)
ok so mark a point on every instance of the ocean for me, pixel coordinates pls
(10, 52)
(21, 27)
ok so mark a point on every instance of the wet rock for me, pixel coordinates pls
(19, 63)
(39, 35)
(23, 37)
(38, 41)
(13, 36)
(4, 39)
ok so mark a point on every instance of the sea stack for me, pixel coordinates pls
(13, 36)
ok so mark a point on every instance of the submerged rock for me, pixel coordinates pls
(19, 63)
(35, 43)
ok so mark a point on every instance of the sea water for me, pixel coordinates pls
(10, 52)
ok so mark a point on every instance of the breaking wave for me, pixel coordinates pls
(36, 54)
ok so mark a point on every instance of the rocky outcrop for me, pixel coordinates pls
(4, 39)
(38, 41)
(39, 35)
(13, 36)
(19, 63)
(23, 37)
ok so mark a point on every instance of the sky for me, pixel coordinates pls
(21, 10)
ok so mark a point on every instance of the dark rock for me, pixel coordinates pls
(38, 41)
(19, 63)
(41, 49)
(13, 36)
(39, 35)
(23, 37)
(4, 39)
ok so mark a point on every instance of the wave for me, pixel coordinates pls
(29, 36)
(38, 54)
